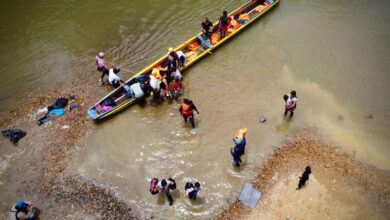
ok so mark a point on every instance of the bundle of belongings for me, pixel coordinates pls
(14, 135)
(58, 109)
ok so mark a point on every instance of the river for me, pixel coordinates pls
(334, 54)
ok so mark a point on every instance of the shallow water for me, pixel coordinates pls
(335, 55)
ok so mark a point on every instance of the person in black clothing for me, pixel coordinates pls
(304, 177)
(207, 27)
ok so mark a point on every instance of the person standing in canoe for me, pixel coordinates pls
(187, 108)
(101, 65)
(224, 22)
(207, 27)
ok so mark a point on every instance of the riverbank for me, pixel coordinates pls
(36, 171)
(340, 187)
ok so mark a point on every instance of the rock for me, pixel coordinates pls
(263, 119)
(65, 127)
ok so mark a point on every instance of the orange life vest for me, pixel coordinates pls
(185, 109)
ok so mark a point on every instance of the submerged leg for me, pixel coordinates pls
(169, 197)
(192, 121)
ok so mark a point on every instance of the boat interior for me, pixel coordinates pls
(193, 49)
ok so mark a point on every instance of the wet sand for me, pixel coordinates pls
(37, 173)
(340, 187)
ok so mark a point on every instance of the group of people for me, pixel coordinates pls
(167, 185)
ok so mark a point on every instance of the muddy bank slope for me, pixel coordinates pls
(340, 187)
(35, 169)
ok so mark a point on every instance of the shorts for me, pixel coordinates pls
(223, 28)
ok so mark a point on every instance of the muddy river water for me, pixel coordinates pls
(334, 54)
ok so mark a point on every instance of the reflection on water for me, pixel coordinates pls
(317, 48)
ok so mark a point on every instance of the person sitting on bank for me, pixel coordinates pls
(224, 22)
(113, 77)
(23, 210)
(187, 108)
(101, 65)
(192, 190)
(207, 28)
(165, 186)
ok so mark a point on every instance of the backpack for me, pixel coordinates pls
(153, 186)
(21, 206)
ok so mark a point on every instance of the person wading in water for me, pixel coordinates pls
(187, 108)
(290, 103)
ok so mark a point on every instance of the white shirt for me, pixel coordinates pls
(291, 101)
(154, 83)
(136, 90)
(177, 75)
(112, 77)
(180, 54)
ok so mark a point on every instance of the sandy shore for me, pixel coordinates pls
(37, 173)
(339, 187)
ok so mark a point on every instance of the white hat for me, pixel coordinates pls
(101, 55)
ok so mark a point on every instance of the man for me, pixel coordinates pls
(166, 186)
(207, 27)
(113, 77)
(101, 65)
(291, 103)
(186, 110)
(239, 149)
(304, 177)
(223, 25)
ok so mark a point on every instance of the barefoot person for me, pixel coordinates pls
(187, 108)
(304, 177)
(290, 103)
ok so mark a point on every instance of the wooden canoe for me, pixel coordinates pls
(244, 16)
